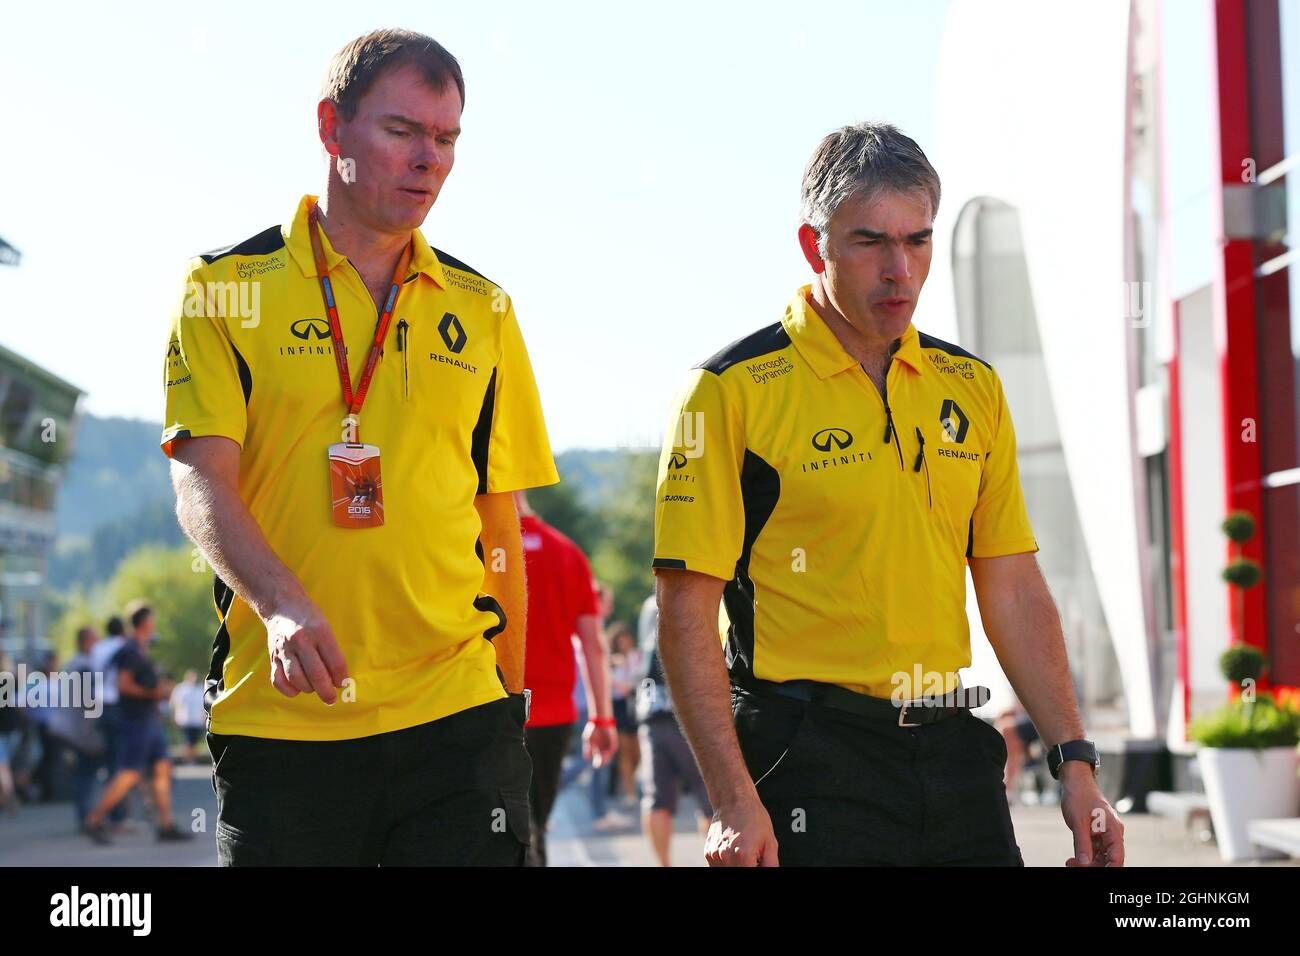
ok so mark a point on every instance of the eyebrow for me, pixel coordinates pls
(414, 124)
(872, 234)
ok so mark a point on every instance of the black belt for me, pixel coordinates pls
(911, 713)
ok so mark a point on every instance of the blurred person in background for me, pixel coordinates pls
(10, 727)
(187, 712)
(1019, 734)
(667, 765)
(625, 670)
(601, 786)
(76, 725)
(142, 744)
(101, 659)
(47, 749)
(562, 601)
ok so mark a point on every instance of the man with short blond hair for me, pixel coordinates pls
(343, 453)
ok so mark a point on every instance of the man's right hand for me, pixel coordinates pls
(305, 657)
(741, 835)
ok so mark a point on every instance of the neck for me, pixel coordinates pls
(863, 344)
(373, 252)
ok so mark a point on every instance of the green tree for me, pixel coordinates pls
(625, 528)
(178, 586)
(561, 507)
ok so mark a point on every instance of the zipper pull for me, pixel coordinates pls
(920, 456)
(401, 334)
(889, 423)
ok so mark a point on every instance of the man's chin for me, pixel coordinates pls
(409, 219)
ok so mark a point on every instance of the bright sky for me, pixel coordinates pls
(631, 179)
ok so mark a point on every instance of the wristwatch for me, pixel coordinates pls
(1084, 750)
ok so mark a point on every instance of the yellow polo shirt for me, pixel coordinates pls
(454, 410)
(843, 541)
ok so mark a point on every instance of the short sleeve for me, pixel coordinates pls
(510, 448)
(1000, 524)
(699, 514)
(206, 382)
(582, 587)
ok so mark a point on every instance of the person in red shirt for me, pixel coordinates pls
(562, 602)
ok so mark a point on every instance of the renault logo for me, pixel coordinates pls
(827, 437)
(453, 334)
(677, 460)
(306, 328)
(954, 421)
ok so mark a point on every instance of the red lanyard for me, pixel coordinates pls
(354, 400)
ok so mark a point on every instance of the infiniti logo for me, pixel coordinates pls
(678, 460)
(306, 328)
(839, 437)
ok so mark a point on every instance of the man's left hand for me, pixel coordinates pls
(1098, 834)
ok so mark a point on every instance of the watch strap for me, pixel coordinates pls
(1084, 750)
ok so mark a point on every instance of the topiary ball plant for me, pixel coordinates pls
(1239, 526)
(1243, 572)
(1242, 662)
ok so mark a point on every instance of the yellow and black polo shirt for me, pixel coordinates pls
(840, 523)
(454, 409)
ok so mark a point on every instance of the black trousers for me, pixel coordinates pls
(546, 747)
(452, 792)
(845, 790)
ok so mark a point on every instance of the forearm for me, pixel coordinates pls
(595, 660)
(216, 519)
(1025, 630)
(697, 677)
(127, 686)
(504, 579)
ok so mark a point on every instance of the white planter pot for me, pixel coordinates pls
(1244, 785)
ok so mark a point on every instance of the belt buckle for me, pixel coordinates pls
(902, 715)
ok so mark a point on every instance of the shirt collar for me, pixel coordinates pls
(298, 239)
(823, 351)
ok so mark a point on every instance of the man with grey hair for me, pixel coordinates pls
(830, 478)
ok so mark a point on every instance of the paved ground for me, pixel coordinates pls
(44, 836)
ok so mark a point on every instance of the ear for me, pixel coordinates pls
(808, 245)
(327, 124)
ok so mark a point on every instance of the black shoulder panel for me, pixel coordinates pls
(449, 260)
(930, 342)
(773, 338)
(263, 244)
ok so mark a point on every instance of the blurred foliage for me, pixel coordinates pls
(1242, 572)
(617, 533)
(1248, 726)
(90, 562)
(1242, 662)
(176, 584)
(1239, 526)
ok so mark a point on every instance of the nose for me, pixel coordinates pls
(427, 158)
(895, 267)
